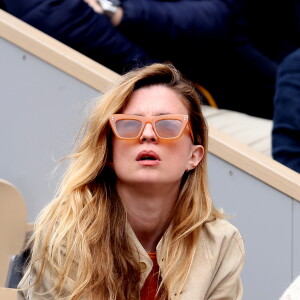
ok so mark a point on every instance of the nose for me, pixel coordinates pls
(148, 134)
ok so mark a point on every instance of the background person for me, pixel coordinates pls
(75, 24)
(286, 125)
(133, 216)
(207, 41)
(202, 38)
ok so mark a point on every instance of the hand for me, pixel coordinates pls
(95, 6)
(117, 17)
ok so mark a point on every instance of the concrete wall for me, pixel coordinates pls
(41, 112)
(269, 223)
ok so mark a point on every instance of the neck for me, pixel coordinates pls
(149, 211)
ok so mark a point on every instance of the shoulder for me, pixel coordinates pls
(219, 259)
(219, 228)
(218, 235)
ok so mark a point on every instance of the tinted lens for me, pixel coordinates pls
(128, 128)
(168, 128)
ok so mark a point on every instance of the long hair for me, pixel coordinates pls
(83, 230)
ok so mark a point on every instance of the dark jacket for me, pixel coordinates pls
(157, 26)
(205, 39)
(200, 37)
(74, 23)
(286, 125)
(198, 21)
(274, 26)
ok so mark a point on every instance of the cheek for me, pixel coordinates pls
(179, 154)
(120, 153)
(117, 151)
(117, 161)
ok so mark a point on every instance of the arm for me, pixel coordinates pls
(197, 20)
(76, 24)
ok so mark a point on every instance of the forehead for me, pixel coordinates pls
(155, 100)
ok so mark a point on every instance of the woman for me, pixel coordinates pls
(133, 218)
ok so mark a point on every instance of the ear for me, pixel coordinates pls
(195, 157)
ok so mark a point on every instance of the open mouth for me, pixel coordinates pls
(147, 156)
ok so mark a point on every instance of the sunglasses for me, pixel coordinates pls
(167, 127)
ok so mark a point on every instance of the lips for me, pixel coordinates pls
(147, 156)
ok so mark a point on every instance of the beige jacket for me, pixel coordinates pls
(214, 274)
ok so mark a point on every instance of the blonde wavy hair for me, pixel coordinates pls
(84, 227)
